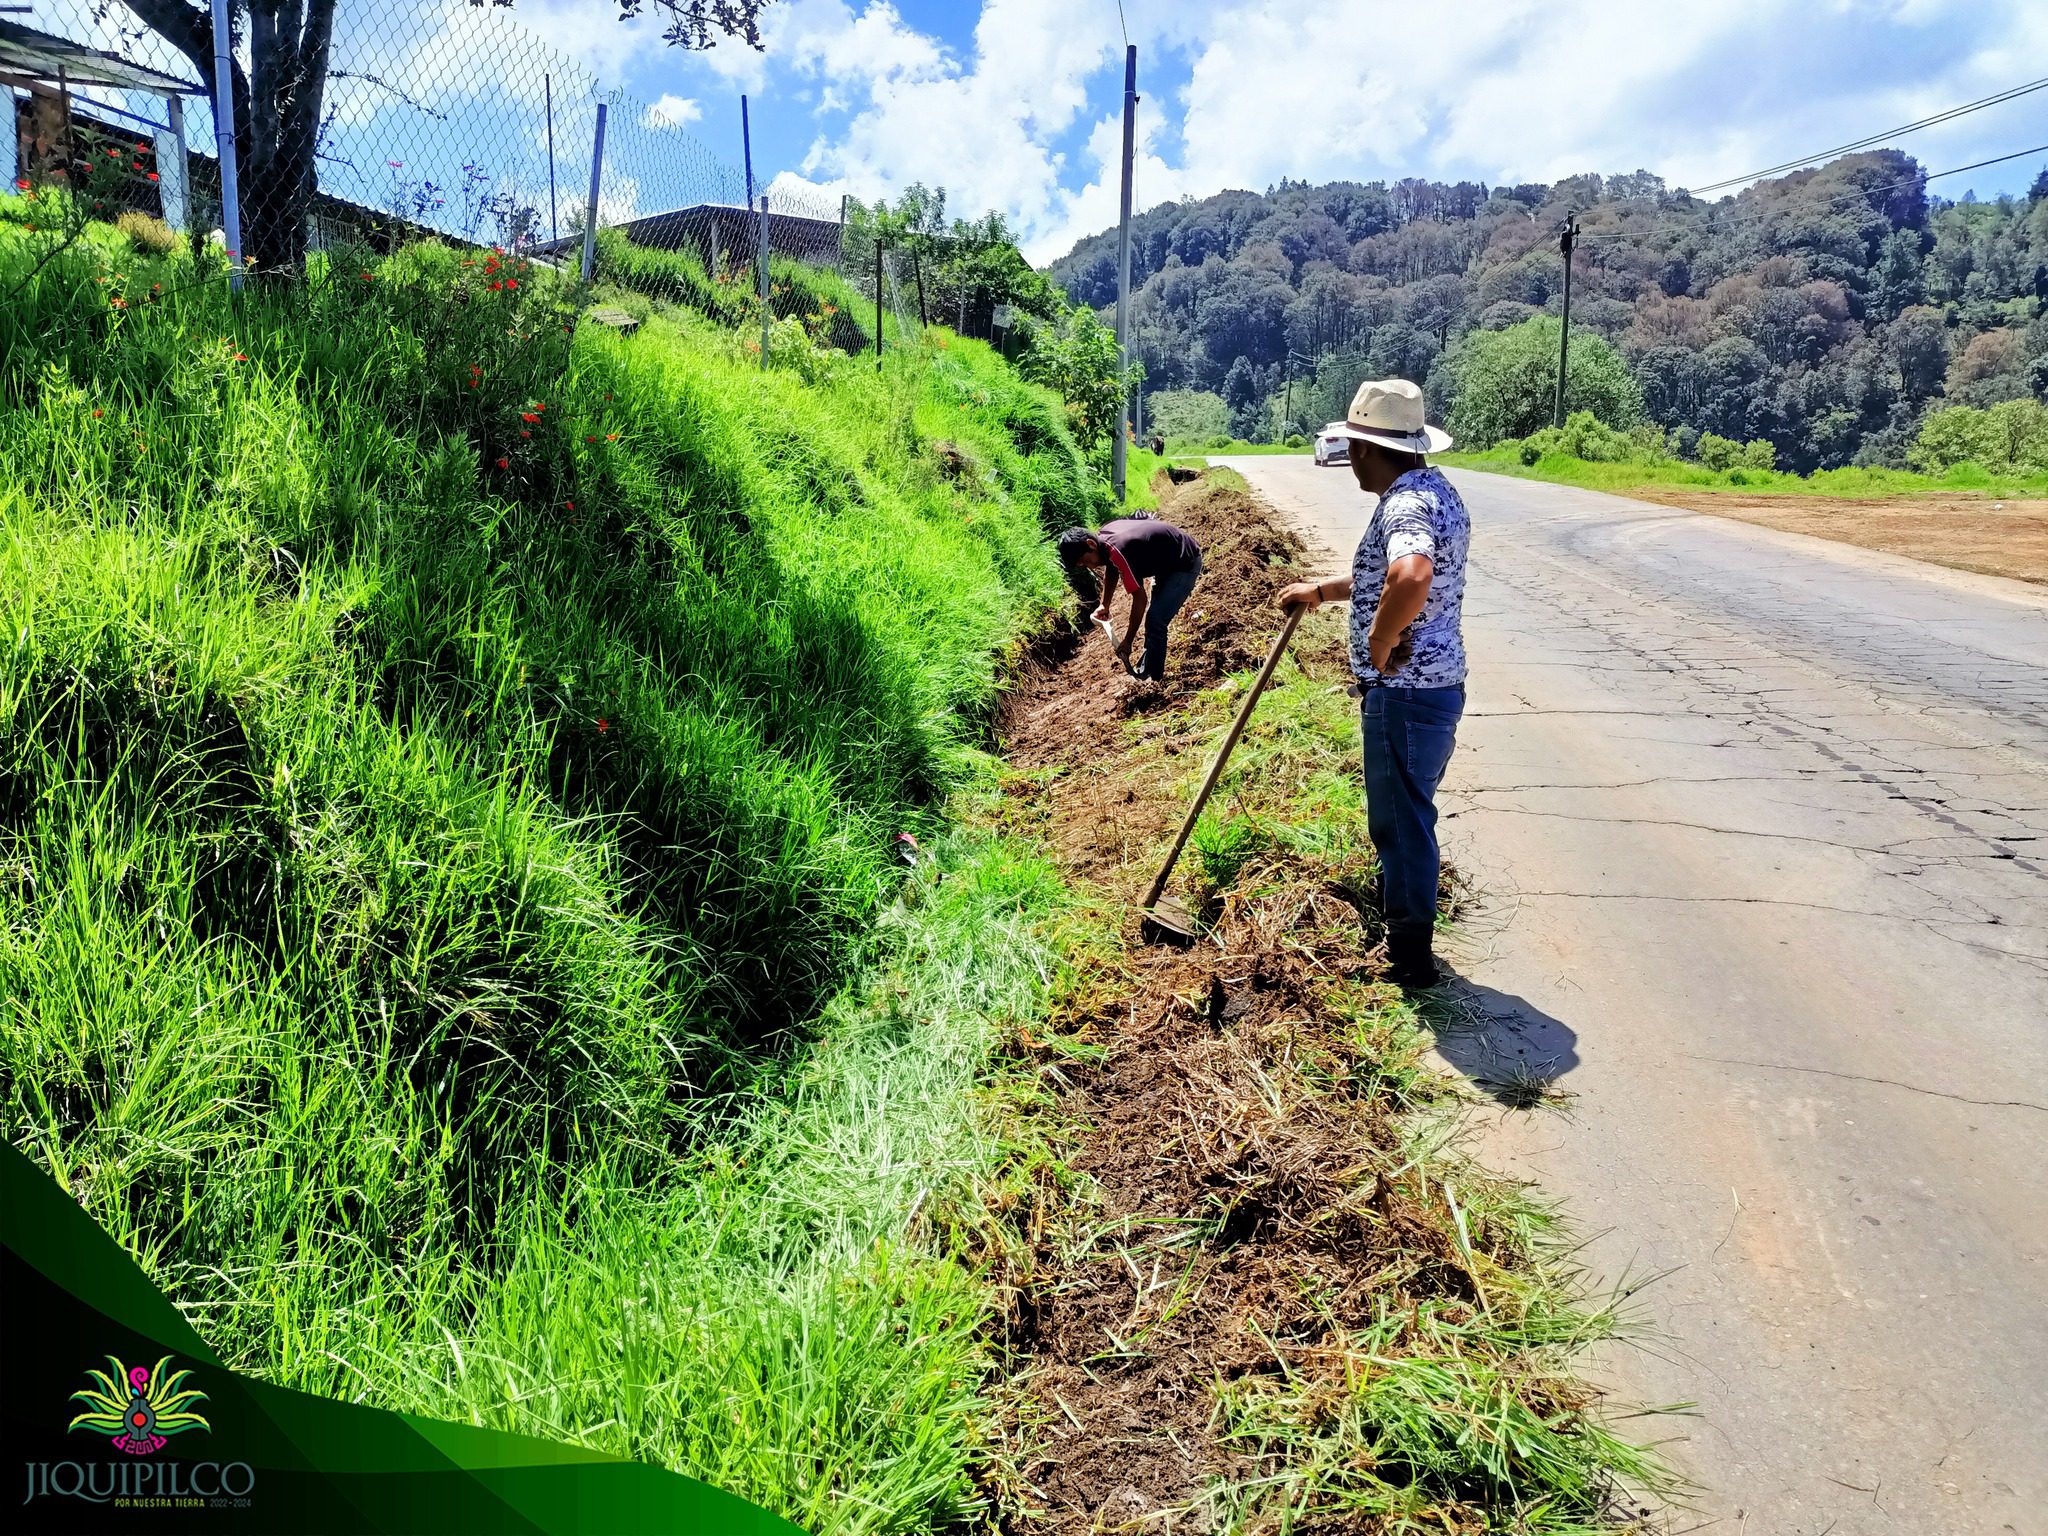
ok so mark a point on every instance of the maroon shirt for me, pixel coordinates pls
(1143, 547)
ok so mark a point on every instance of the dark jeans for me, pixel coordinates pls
(1170, 591)
(1409, 734)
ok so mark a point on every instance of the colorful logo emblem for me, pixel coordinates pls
(138, 1409)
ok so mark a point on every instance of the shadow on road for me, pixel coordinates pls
(1504, 1045)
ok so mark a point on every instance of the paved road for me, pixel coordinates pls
(1761, 827)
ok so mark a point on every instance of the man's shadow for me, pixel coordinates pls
(1504, 1045)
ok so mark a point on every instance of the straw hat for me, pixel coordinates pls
(1389, 411)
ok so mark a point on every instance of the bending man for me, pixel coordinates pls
(1136, 549)
(1406, 589)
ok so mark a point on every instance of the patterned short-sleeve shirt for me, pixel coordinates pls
(1421, 514)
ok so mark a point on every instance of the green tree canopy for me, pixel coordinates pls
(1195, 415)
(1506, 382)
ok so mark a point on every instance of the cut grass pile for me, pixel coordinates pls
(1851, 483)
(448, 769)
(1258, 1287)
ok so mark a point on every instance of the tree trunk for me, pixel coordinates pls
(277, 113)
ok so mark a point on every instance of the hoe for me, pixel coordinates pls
(1168, 922)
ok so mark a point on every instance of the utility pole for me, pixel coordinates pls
(1123, 276)
(1566, 243)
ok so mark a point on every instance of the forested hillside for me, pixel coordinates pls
(1825, 311)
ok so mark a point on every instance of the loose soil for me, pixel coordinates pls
(1241, 1204)
(1968, 533)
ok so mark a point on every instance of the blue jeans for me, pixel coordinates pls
(1170, 591)
(1409, 734)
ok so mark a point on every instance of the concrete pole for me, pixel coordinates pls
(1566, 243)
(1123, 274)
(224, 141)
(590, 207)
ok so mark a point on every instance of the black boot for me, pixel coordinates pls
(1410, 964)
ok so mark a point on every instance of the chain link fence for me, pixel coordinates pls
(435, 119)
(450, 120)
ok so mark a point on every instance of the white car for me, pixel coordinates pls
(1332, 447)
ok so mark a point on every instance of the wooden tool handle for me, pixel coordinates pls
(1237, 726)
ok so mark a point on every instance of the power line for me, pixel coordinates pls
(1877, 138)
(1121, 23)
(1847, 197)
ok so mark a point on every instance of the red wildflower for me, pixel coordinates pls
(369, 277)
(99, 413)
(511, 282)
(611, 437)
(118, 302)
(529, 416)
(23, 182)
(153, 176)
(570, 505)
(603, 724)
(524, 433)
(115, 153)
(241, 357)
(142, 149)
(504, 463)
(590, 439)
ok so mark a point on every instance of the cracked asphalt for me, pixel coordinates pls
(1759, 828)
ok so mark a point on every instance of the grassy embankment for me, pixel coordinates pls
(449, 927)
(449, 930)
(1621, 478)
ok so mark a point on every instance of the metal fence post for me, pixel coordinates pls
(554, 228)
(878, 299)
(224, 141)
(766, 313)
(590, 208)
(175, 169)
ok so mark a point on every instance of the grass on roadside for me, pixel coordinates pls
(448, 775)
(1278, 1247)
(1852, 483)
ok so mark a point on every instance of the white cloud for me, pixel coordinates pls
(673, 111)
(1025, 116)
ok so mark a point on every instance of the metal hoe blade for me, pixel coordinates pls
(1166, 921)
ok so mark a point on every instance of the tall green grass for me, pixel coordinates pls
(448, 769)
(732, 297)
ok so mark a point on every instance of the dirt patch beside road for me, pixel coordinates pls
(1969, 533)
(1219, 1287)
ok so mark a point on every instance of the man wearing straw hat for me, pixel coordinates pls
(1406, 587)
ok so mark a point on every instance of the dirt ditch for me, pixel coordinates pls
(1233, 1204)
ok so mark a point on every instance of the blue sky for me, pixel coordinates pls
(1015, 104)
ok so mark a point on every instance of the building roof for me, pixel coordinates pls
(662, 229)
(44, 57)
